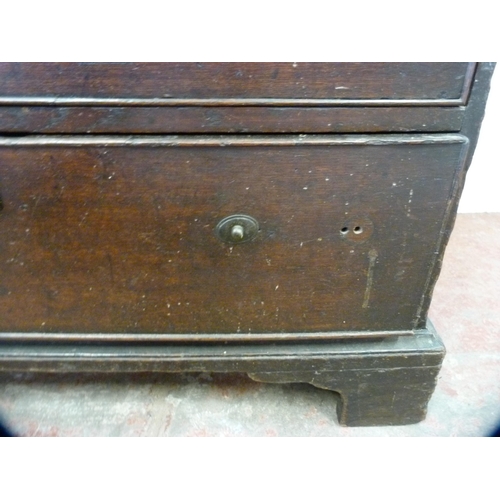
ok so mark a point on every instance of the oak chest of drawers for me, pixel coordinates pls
(287, 220)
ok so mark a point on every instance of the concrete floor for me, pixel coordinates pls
(465, 311)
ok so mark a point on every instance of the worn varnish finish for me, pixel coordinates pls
(100, 98)
(291, 81)
(122, 238)
(227, 119)
(110, 262)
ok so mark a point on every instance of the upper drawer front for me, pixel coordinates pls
(119, 235)
(237, 83)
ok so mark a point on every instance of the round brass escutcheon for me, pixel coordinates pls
(237, 229)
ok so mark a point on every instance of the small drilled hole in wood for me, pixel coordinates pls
(358, 230)
(344, 230)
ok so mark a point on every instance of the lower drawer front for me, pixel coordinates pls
(114, 235)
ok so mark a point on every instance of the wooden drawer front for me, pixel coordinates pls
(118, 235)
(262, 83)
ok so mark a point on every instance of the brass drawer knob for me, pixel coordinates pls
(237, 229)
(237, 232)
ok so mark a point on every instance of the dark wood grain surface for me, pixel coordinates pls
(117, 235)
(414, 81)
(227, 119)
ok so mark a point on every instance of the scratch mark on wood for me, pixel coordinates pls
(111, 271)
(35, 205)
(408, 214)
(393, 399)
(372, 255)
